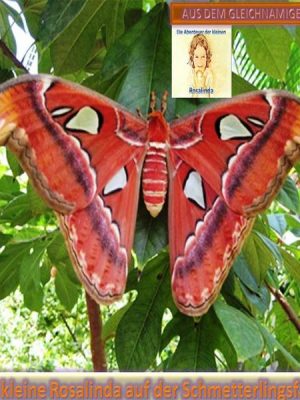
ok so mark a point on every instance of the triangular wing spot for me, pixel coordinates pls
(231, 127)
(87, 120)
(193, 189)
(117, 182)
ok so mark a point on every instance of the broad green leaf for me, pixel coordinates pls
(112, 17)
(294, 224)
(258, 255)
(291, 264)
(139, 332)
(241, 268)
(284, 331)
(240, 85)
(58, 255)
(111, 325)
(57, 250)
(110, 87)
(256, 295)
(72, 49)
(14, 164)
(273, 344)
(146, 50)
(248, 341)
(195, 351)
(12, 13)
(37, 205)
(30, 275)
(32, 10)
(150, 234)
(4, 239)
(278, 223)
(67, 291)
(198, 343)
(269, 55)
(45, 271)
(10, 261)
(288, 195)
(272, 246)
(5, 75)
(6, 35)
(56, 17)
(17, 211)
(297, 36)
(9, 187)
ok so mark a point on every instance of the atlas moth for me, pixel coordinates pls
(87, 155)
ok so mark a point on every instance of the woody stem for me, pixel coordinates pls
(97, 345)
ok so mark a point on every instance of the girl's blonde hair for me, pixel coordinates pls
(200, 40)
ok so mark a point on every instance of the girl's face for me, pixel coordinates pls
(199, 57)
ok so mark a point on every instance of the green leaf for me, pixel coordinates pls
(10, 261)
(273, 343)
(109, 87)
(259, 255)
(240, 85)
(6, 35)
(12, 13)
(9, 188)
(67, 291)
(146, 50)
(30, 275)
(111, 325)
(139, 332)
(112, 17)
(195, 351)
(37, 205)
(56, 17)
(291, 264)
(57, 250)
(17, 211)
(150, 234)
(269, 55)
(248, 341)
(288, 195)
(72, 49)
(14, 164)
(32, 10)
(272, 247)
(278, 223)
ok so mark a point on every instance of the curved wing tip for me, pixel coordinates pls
(193, 310)
(104, 298)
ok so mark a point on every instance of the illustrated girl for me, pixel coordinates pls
(200, 59)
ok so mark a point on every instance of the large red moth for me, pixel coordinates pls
(86, 156)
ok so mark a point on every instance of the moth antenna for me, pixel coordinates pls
(139, 113)
(163, 107)
(152, 105)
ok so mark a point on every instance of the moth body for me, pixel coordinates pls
(155, 171)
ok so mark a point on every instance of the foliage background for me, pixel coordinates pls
(123, 50)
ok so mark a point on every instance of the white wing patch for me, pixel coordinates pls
(60, 111)
(193, 189)
(86, 120)
(231, 127)
(117, 182)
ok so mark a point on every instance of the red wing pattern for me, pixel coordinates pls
(100, 236)
(227, 162)
(84, 154)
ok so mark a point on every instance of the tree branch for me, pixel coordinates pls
(285, 306)
(97, 345)
(9, 54)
